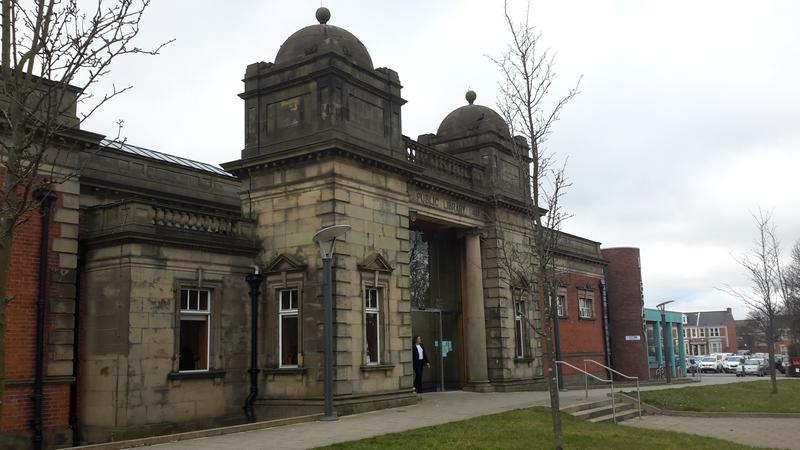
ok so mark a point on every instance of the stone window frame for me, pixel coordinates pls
(376, 310)
(521, 294)
(561, 292)
(520, 328)
(287, 312)
(375, 280)
(215, 322)
(713, 332)
(274, 284)
(585, 294)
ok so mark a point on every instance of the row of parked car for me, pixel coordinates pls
(736, 364)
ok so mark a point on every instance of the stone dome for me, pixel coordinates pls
(472, 119)
(323, 38)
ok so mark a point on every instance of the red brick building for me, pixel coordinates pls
(582, 318)
(18, 419)
(628, 340)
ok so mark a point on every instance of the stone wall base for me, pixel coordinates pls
(96, 435)
(343, 405)
(531, 384)
(24, 441)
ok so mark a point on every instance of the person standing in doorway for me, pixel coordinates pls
(420, 359)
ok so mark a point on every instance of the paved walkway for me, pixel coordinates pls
(773, 433)
(434, 408)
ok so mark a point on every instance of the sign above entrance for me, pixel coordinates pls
(633, 338)
(445, 203)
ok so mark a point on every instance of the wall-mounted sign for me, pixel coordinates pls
(633, 338)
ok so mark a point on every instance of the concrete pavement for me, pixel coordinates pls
(433, 408)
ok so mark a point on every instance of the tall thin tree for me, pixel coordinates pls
(762, 267)
(527, 104)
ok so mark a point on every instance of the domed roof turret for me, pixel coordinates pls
(323, 38)
(472, 119)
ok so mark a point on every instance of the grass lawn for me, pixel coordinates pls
(531, 429)
(752, 396)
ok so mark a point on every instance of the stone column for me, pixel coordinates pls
(474, 316)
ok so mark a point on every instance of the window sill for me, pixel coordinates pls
(285, 371)
(523, 360)
(206, 374)
(587, 318)
(377, 367)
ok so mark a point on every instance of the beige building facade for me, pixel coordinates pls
(166, 244)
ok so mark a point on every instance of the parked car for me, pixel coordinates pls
(709, 364)
(731, 364)
(752, 366)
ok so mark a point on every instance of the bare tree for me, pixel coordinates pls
(791, 276)
(527, 105)
(762, 267)
(53, 51)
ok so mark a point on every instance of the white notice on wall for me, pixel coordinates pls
(635, 337)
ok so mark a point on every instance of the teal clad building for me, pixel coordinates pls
(655, 341)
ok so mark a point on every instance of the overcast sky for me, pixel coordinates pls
(686, 123)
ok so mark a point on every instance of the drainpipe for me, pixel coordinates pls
(604, 297)
(73, 391)
(45, 199)
(254, 280)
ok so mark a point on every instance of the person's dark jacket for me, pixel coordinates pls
(415, 357)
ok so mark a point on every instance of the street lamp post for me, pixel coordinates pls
(667, 337)
(323, 236)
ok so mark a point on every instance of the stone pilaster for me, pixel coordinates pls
(477, 374)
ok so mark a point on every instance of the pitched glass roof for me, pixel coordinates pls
(152, 154)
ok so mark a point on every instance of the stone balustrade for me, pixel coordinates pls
(442, 165)
(142, 216)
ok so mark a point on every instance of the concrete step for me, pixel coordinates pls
(588, 414)
(574, 408)
(621, 416)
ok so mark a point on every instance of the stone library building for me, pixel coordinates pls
(148, 324)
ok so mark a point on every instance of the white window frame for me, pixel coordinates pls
(702, 332)
(190, 314)
(582, 309)
(519, 328)
(376, 311)
(561, 305)
(288, 312)
(715, 332)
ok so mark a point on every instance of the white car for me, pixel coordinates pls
(731, 363)
(709, 364)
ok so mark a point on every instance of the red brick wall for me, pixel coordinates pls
(20, 339)
(581, 338)
(625, 303)
(731, 327)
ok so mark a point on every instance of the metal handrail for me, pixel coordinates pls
(638, 393)
(586, 376)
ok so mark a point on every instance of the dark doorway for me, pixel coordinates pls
(436, 304)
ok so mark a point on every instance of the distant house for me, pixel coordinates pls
(706, 332)
(750, 338)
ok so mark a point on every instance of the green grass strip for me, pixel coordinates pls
(531, 429)
(754, 396)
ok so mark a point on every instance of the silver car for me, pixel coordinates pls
(752, 366)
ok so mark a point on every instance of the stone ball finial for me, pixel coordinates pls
(471, 96)
(323, 15)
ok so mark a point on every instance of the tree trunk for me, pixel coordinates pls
(771, 353)
(552, 384)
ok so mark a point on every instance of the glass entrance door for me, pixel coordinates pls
(435, 281)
